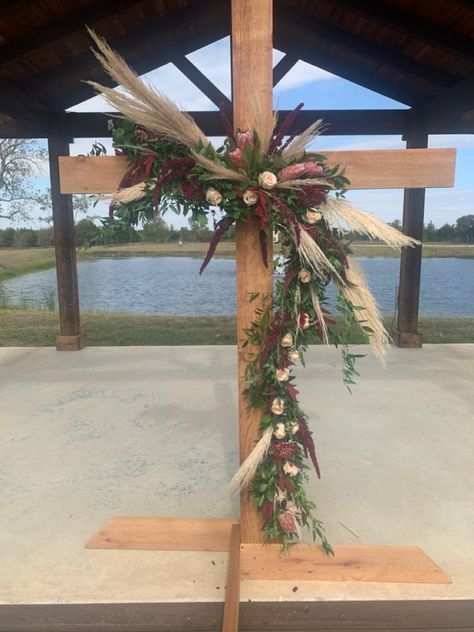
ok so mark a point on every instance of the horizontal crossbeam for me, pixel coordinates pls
(374, 169)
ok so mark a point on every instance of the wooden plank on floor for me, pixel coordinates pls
(372, 169)
(166, 534)
(430, 615)
(232, 594)
(406, 564)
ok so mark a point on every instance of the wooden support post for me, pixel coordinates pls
(252, 78)
(70, 337)
(406, 334)
(232, 595)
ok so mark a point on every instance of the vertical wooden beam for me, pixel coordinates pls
(70, 337)
(406, 334)
(251, 79)
(232, 595)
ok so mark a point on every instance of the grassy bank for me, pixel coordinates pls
(24, 328)
(18, 261)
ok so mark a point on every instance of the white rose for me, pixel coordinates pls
(312, 217)
(305, 322)
(304, 276)
(250, 197)
(279, 432)
(294, 427)
(213, 196)
(291, 469)
(287, 340)
(294, 356)
(282, 375)
(278, 406)
(267, 180)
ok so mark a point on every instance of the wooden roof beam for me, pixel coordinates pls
(454, 107)
(29, 114)
(201, 82)
(63, 28)
(435, 35)
(208, 19)
(282, 68)
(362, 47)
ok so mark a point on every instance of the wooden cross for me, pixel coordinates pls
(417, 168)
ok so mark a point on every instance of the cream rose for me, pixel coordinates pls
(294, 356)
(282, 375)
(287, 340)
(213, 196)
(304, 276)
(279, 432)
(294, 427)
(305, 322)
(291, 468)
(278, 406)
(250, 197)
(267, 180)
(312, 216)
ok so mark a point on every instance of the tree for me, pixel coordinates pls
(156, 230)
(396, 224)
(447, 232)
(8, 237)
(26, 238)
(429, 232)
(465, 228)
(20, 161)
(85, 232)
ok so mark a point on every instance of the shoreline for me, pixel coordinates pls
(18, 261)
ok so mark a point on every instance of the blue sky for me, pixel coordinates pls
(317, 89)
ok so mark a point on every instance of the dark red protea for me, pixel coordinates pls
(312, 195)
(287, 522)
(267, 510)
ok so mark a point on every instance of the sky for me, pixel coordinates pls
(317, 89)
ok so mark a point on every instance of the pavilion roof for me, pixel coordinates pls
(418, 53)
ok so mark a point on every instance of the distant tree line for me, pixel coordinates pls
(89, 233)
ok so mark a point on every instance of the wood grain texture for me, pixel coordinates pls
(430, 615)
(166, 534)
(232, 594)
(371, 169)
(406, 564)
(252, 49)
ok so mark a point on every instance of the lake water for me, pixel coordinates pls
(172, 285)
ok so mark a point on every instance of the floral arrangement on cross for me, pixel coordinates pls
(266, 176)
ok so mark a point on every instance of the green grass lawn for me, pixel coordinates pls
(25, 328)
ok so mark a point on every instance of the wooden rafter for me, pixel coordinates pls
(456, 105)
(437, 36)
(200, 24)
(201, 82)
(65, 27)
(360, 46)
(23, 109)
(282, 68)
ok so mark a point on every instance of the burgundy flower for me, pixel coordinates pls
(267, 510)
(293, 172)
(284, 451)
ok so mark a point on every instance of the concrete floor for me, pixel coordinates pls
(153, 431)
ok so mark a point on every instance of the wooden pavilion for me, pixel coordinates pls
(417, 54)
(420, 54)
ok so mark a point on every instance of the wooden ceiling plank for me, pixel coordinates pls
(209, 19)
(201, 82)
(283, 67)
(373, 169)
(362, 47)
(435, 35)
(27, 112)
(455, 106)
(63, 28)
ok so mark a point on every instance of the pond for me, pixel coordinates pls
(172, 285)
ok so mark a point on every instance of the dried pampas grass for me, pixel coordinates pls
(246, 472)
(343, 216)
(320, 316)
(141, 102)
(313, 256)
(218, 171)
(358, 293)
(296, 148)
